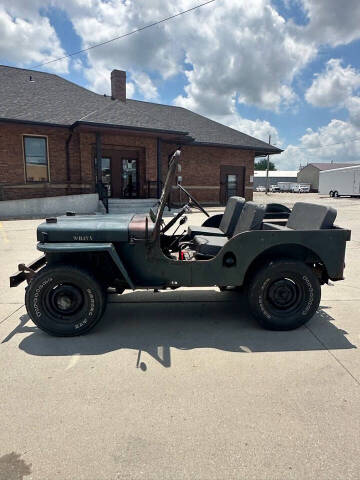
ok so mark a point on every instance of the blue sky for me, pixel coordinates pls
(286, 68)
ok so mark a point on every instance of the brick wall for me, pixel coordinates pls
(200, 165)
(200, 170)
(13, 183)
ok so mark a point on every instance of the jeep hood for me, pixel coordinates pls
(91, 228)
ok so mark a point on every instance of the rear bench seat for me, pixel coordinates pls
(307, 216)
(228, 222)
(251, 218)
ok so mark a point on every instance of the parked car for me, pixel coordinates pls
(281, 267)
(274, 188)
(300, 188)
(260, 188)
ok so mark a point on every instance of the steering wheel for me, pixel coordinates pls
(176, 218)
(195, 202)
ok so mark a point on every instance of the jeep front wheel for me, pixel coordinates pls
(65, 300)
(284, 294)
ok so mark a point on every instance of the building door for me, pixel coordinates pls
(124, 174)
(129, 178)
(231, 185)
(232, 182)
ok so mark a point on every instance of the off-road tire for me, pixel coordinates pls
(336, 194)
(331, 194)
(284, 294)
(53, 289)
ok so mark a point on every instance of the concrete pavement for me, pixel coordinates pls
(181, 385)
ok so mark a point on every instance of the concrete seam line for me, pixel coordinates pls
(6, 318)
(333, 355)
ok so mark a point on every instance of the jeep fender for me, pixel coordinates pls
(86, 248)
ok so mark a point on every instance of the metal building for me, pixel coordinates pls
(275, 176)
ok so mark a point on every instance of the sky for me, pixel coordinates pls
(285, 68)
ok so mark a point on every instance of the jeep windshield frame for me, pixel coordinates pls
(165, 193)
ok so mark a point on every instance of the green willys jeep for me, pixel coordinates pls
(279, 257)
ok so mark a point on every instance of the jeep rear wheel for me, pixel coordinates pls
(65, 300)
(284, 294)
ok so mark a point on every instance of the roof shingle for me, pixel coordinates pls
(39, 97)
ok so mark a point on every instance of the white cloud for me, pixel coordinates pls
(334, 86)
(233, 52)
(96, 21)
(290, 159)
(333, 142)
(235, 48)
(130, 90)
(331, 22)
(145, 85)
(99, 82)
(28, 38)
(241, 50)
(353, 106)
(260, 129)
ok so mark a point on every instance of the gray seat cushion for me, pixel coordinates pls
(251, 218)
(209, 246)
(231, 215)
(210, 231)
(228, 222)
(309, 216)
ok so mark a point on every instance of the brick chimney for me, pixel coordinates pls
(118, 85)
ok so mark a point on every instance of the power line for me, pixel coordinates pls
(124, 35)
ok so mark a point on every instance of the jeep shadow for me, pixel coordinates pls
(154, 323)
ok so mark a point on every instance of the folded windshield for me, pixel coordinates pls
(165, 192)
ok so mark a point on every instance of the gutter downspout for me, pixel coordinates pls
(159, 174)
(67, 153)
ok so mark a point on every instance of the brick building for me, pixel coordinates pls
(57, 138)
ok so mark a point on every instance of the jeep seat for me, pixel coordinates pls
(251, 218)
(228, 222)
(307, 216)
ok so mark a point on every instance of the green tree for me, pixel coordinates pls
(262, 165)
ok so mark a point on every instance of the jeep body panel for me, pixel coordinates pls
(156, 268)
(68, 248)
(93, 228)
(144, 265)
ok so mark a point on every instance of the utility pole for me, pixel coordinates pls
(267, 170)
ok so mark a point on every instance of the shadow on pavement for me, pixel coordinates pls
(12, 467)
(154, 323)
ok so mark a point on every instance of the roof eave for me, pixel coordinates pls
(257, 150)
(127, 127)
(33, 122)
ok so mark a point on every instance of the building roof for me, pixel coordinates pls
(347, 167)
(276, 173)
(45, 98)
(330, 166)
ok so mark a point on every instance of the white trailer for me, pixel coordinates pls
(340, 181)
